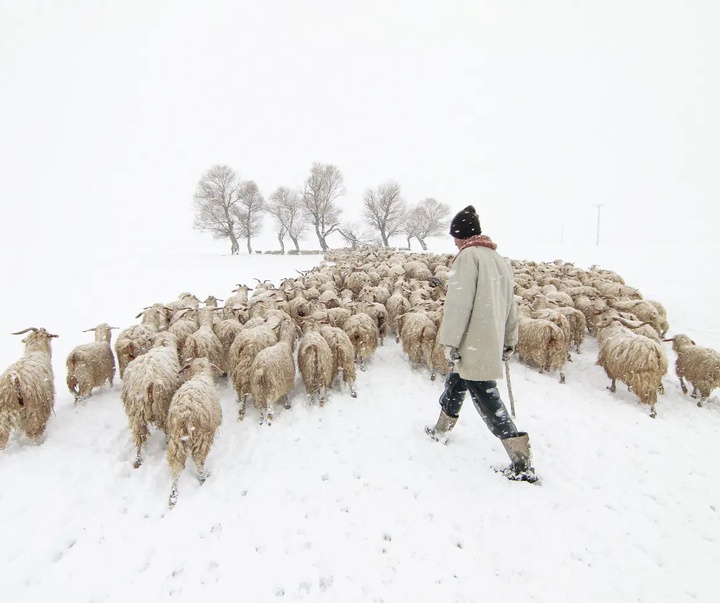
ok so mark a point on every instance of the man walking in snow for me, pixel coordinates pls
(479, 332)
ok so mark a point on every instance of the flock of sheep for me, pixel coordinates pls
(323, 324)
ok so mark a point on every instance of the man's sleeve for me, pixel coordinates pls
(459, 300)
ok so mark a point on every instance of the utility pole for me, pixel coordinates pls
(597, 234)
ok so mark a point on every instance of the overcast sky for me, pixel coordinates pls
(533, 111)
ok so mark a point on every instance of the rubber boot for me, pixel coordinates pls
(444, 425)
(518, 449)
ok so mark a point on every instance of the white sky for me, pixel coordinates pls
(110, 112)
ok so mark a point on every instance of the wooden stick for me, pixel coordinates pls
(509, 386)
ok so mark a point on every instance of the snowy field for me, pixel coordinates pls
(353, 502)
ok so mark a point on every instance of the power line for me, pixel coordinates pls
(597, 234)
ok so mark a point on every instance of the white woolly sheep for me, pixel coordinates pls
(343, 355)
(363, 333)
(131, 343)
(249, 342)
(91, 364)
(417, 334)
(541, 343)
(154, 317)
(272, 378)
(149, 383)
(203, 343)
(193, 419)
(27, 388)
(636, 360)
(315, 362)
(699, 365)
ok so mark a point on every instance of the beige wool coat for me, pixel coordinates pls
(480, 315)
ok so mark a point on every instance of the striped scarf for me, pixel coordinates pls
(480, 240)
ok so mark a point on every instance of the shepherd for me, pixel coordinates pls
(479, 331)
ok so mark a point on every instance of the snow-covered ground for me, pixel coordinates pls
(352, 502)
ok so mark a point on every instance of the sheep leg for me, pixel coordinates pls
(694, 392)
(242, 400)
(321, 398)
(562, 377)
(569, 358)
(432, 375)
(661, 389)
(269, 413)
(286, 402)
(173, 494)
(653, 414)
(683, 386)
(612, 387)
(353, 393)
(362, 363)
(140, 433)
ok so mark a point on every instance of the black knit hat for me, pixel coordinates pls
(465, 224)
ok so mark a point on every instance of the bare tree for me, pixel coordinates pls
(426, 219)
(322, 187)
(356, 235)
(384, 210)
(287, 209)
(250, 210)
(216, 202)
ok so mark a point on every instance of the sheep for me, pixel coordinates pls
(91, 364)
(272, 378)
(183, 324)
(363, 333)
(149, 384)
(249, 342)
(315, 362)
(193, 419)
(699, 365)
(636, 360)
(643, 310)
(417, 334)
(438, 361)
(154, 317)
(204, 342)
(378, 313)
(227, 330)
(131, 343)
(343, 355)
(541, 343)
(238, 298)
(27, 388)
(397, 304)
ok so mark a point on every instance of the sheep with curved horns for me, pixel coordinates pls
(204, 343)
(149, 384)
(131, 343)
(27, 388)
(193, 419)
(91, 365)
(699, 365)
(636, 360)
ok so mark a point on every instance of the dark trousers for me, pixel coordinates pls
(485, 397)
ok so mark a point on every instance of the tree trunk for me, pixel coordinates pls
(384, 239)
(321, 238)
(281, 239)
(249, 247)
(422, 243)
(408, 242)
(295, 242)
(234, 245)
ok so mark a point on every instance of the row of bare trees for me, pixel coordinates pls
(233, 209)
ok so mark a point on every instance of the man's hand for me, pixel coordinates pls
(452, 354)
(507, 353)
